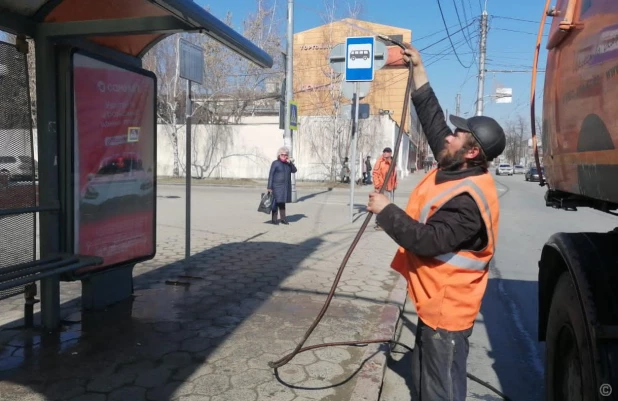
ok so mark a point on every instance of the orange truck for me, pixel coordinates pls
(578, 272)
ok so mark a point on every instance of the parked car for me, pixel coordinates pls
(532, 174)
(120, 181)
(519, 169)
(505, 169)
(19, 168)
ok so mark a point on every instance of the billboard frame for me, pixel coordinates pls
(73, 155)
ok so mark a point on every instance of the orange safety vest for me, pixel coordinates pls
(448, 289)
(379, 174)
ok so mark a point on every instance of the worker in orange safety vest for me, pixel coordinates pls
(447, 237)
(379, 175)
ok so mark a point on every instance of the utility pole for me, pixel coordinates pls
(288, 140)
(483, 51)
(457, 103)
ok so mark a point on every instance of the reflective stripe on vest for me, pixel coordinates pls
(462, 261)
(453, 258)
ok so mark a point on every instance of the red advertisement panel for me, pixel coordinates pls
(114, 161)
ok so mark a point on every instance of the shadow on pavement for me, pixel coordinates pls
(293, 218)
(399, 360)
(507, 347)
(154, 346)
(510, 347)
(313, 195)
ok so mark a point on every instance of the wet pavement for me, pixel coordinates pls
(207, 331)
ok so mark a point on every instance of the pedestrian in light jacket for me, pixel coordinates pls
(280, 183)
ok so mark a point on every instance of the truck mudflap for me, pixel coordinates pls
(578, 315)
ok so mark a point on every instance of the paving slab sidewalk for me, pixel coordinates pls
(207, 332)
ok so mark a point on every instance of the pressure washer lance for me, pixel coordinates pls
(283, 361)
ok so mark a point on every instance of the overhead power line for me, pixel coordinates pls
(444, 38)
(516, 31)
(518, 19)
(442, 30)
(449, 36)
(461, 25)
(463, 6)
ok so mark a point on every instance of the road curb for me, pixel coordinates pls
(251, 186)
(369, 378)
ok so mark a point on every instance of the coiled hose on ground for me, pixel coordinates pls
(299, 348)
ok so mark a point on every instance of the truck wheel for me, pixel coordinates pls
(569, 374)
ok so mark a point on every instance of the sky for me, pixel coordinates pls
(511, 41)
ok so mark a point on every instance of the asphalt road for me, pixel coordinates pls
(504, 350)
(507, 349)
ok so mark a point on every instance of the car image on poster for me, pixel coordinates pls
(114, 161)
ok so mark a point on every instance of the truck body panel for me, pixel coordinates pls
(580, 119)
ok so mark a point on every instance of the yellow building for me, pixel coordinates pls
(317, 87)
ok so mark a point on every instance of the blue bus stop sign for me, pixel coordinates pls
(359, 54)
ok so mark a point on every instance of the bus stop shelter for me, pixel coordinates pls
(119, 31)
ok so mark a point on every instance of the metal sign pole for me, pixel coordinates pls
(188, 176)
(353, 152)
(191, 68)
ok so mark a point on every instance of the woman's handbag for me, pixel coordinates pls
(266, 204)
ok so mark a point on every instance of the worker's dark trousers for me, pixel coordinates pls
(439, 364)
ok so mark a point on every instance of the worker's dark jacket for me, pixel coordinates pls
(458, 223)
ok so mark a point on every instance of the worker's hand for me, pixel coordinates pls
(412, 55)
(377, 202)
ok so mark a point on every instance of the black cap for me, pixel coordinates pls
(487, 132)
(389, 150)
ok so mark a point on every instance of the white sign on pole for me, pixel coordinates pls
(504, 95)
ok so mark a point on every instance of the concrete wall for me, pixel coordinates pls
(246, 150)
(223, 151)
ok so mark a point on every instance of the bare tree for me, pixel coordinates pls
(328, 136)
(163, 61)
(235, 85)
(213, 147)
(232, 86)
(516, 131)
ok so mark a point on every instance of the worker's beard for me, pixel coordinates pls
(452, 162)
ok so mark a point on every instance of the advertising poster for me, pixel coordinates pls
(114, 161)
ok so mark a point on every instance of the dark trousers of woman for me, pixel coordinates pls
(439, 364)
(281, 208)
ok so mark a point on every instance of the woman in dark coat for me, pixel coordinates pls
(280, 183)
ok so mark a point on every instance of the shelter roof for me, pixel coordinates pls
(129, 26)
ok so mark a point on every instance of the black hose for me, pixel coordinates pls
(287, 358)
(299, 348)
